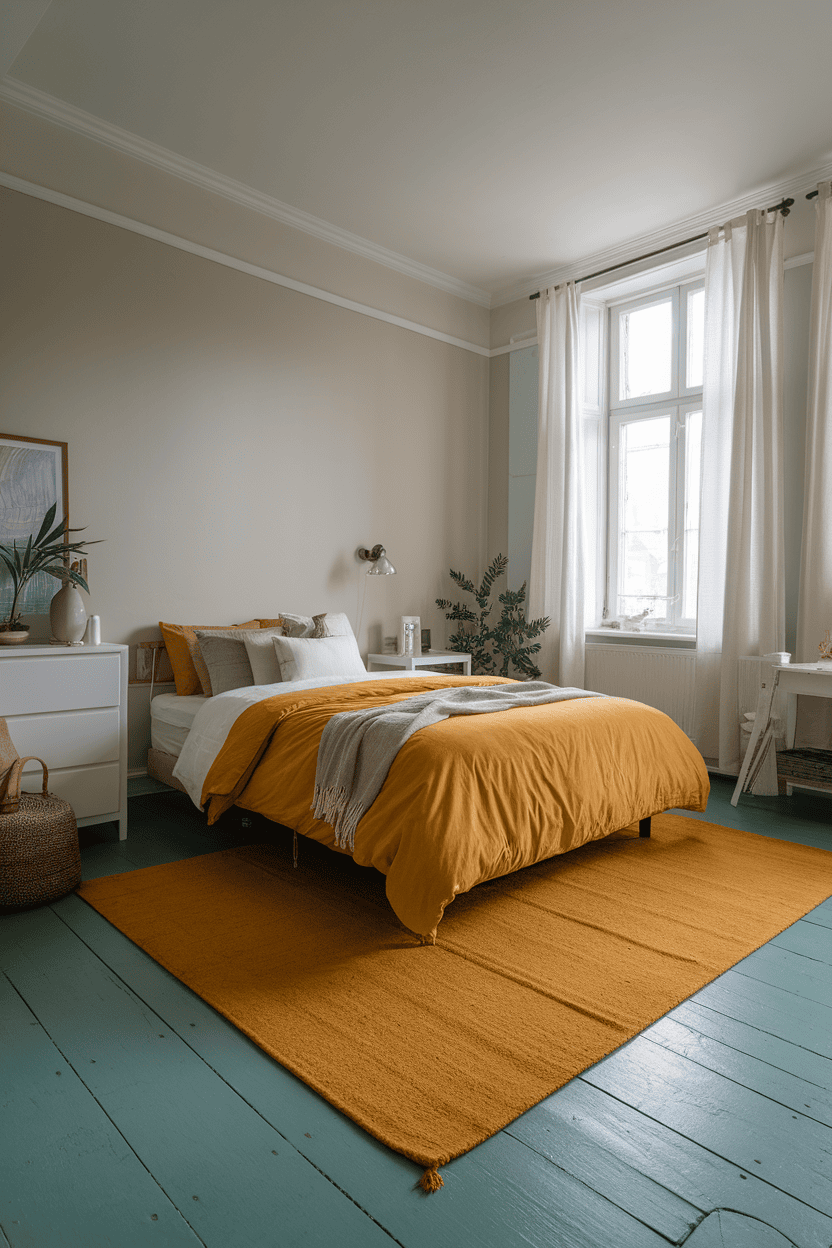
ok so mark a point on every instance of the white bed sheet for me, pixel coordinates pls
(213, 721)
(171, 717)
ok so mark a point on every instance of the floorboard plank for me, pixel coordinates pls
(70, 1180)
(782, 1054)
(690, 1171)
(725, 1226)
(781, 968)
(104, 859)
(178, 1117)
(773, 1010)
(563, 1136)
(791, 1152)
(808, 939)
(821, 914)
(777, 1085)
(498, 1195)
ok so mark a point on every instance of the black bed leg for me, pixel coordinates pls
(644, 826)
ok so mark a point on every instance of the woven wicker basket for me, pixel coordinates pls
(39, 855)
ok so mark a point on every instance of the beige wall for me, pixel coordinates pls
(233, 441)
(47, 155)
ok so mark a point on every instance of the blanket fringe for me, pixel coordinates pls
(333, 807)
(431, 1180)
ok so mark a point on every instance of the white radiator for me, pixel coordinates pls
(662, 677)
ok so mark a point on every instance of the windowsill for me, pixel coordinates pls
(651, 637)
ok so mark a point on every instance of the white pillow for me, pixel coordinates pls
(264, 665)
(302, 658)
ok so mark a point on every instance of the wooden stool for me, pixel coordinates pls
(39, 855)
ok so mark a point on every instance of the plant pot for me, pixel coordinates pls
(13, 637)
(67, 615)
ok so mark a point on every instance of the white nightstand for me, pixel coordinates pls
(410, 662)
(68, 706)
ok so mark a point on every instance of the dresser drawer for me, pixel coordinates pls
(33, 685)
(68, 739)
(89, 790)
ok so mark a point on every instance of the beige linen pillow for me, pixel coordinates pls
(224, 658)
(302, 658)
(293, 625)
(260, 651)
(332, 624)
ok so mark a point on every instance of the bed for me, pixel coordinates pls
(465, 801)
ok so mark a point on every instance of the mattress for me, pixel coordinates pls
(171, 716)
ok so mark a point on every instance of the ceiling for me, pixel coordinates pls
(491, 141)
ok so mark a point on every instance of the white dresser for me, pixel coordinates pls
(68, 706)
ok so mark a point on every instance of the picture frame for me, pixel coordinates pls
(33, 475)
(417, 634)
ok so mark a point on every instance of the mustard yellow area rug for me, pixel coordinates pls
(533, 977)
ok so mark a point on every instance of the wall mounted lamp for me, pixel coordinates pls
(381, 565)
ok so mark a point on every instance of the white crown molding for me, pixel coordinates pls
(667, 237)
(32, 100)
(230, 262)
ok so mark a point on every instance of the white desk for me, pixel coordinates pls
(791, 679)
(813, 679)
(410, 662)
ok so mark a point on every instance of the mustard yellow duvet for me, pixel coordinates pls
(470, 798)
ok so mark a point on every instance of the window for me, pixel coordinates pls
(655, 438)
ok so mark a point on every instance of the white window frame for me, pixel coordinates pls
(677, 402)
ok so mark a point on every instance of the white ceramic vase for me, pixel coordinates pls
(67, 615)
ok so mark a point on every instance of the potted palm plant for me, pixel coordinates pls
(47, 552)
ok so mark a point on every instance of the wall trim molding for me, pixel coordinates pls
(697, 224)
(39, 103)
(794, 262)
(520, 345)
(231, 262)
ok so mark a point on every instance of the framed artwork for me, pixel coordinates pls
(410, 624)
(33, 476)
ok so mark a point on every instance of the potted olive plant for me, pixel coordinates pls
(48, 552)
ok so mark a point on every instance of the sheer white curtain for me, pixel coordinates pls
(741, 559)
(556, 581)
(814, 610)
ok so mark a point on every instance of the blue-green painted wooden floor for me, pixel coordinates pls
(132, 1114)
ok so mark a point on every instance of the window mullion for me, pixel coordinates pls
(677, 520)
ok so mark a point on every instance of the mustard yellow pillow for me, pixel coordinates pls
(183, 651)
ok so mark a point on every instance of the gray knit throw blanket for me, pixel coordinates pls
(357, 748)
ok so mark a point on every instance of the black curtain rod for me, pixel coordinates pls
(811, 195)
(783, 207)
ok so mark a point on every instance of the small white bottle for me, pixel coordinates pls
(92, 633)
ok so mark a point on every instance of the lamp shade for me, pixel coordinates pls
(381, 567)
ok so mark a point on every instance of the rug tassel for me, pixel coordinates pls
(431, 1180)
